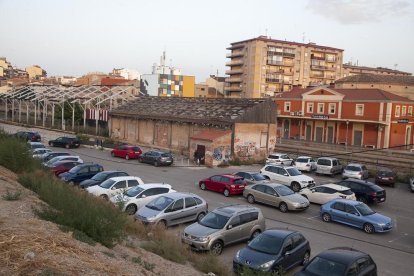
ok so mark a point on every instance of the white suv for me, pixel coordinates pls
(279, 159)
(289, 176)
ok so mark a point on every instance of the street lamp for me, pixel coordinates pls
(346, 136)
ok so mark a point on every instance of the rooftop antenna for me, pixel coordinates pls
(303, 37)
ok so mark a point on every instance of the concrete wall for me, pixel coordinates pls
(217, 151)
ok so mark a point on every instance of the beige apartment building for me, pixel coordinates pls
(35, 72)
(351, 70)
(262, 66)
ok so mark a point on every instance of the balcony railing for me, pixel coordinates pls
(274, 80)
(233, 89)
(235, 54)
(319, 67)
(234, 72)
(234, 62)
(233, 80)
(319, 76)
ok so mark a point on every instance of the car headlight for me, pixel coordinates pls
(304, 182)
(202, 239)
(237, 257)
(267, 265)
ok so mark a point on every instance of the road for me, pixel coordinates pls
(393, 252)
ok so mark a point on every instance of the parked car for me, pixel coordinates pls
(412, 184)
(157, 158)
(51, 162)
(138, 196)
(66, 142)
(355, 213)
(35, 145)
(37, 153)
(289, 176)
(365, 191)
(341, 261)
(276, 195)
(47, 156)
(305, 163)
(63, 166)
(385, 176)
(100, 177)
(226, 184)
(279, 159)
(252, 177)
(126, 151)
(273, 249)
(224, 226)
(355, 170)
(114, 186)
(28, 136)
(326, 192)
(81, 172)
(328, 165)
(173, 208)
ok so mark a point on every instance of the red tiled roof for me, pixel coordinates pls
(372, 78)
(350, 95)
(210, 135)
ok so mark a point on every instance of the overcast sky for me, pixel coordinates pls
(73, 37)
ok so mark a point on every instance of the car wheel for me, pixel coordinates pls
(156, 164)
(369, 228)
(67, 146)
(203, 186)
(226, 193)
(362, 199)
(140, 160)
(201, 216)
(305, 196)
(52, 144)
(295, 187)
(127, 157)
(283, 207)
(255, 234)
(104, 197)
(306, 258)
(250, 199)
(216, 248)
(326, 217)
(131, 209)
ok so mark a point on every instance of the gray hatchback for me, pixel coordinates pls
(173, 208)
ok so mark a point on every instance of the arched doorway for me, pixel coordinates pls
(286, 126)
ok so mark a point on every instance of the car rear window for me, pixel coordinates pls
(346, 192)
(273, 157)
(376, 188)
(353, 168)
(166, 155)
(302, 160)
(385, 173)
(238, 181)
(136, 149)
(324, 162)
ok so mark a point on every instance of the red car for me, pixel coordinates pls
(227, 184)
(126, 151)
(63, 166)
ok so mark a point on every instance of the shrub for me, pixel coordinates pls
(74, 208)
(209, 263)
(11, 196)
(15, 154)
(170, 248)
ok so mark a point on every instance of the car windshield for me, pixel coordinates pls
(99, 176)
(160, 203)
(347, 192)
(266, 243)
(134, 191)
(364, 210)
(107, 183)
(53, 160)
(293, 172)
(284, 156)
(74, 170)
(321, 266)
(258, 176)
(283, 191)
(214, 220)
(353, 168)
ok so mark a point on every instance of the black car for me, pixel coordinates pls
(272, 251)
(29, 136)
(101, 177)
(66, 142)
(80, 173)
(47, 156)
(156, 158)
(340, 261)
(365, 191)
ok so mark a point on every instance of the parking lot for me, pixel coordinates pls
(393, 252)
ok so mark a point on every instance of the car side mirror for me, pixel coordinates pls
(113, 188)
(285, 174)
(229, 227)
(143, 196)
(287, 253)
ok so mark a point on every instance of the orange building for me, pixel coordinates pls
(359, 117)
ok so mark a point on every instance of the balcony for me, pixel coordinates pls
(235, 54)
(332, 60)
(270, 80)
(233, 80)
(234, 72)
(235, 47)
(319, 67)
(236, 62)
(317, 57)
(233, 88)
(318, 76)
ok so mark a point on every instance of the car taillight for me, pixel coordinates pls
(233, 186)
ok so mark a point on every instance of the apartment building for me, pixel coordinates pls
(370, 118)
(213, 87)
(351, 70)
(36, 72)
(262, 66)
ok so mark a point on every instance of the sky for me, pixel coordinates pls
(74, 37)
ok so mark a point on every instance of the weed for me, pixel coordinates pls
(76, 234)
(149, 266)
(15, 154)
(209, 263)
(170, 248)
(137, 260)
(109, 254)
(11, 196)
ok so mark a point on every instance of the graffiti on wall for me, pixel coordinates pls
(221, 153)
(246, 149)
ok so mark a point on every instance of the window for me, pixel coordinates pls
(410, 111)
(298, 239)
(309, 107)
(320, 107)
(133, 183)
(235, 221)
(339, 206)
(397, 111)
(332, 108)
(359, 110)
(120, 185)
(248, 217)
(190, 202)
(216, 178)
(270, 191)
(178, 205)
(95, 169)
(148, 192)
(260, 188)
(199, 201)
(404, 111)
(225, 179)
(287, 106)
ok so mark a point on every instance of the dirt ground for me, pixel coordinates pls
(30, 246)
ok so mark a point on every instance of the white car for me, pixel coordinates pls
(37, 153)
(138, 196)
(324, 193)
(305, 163)
(114, 186)
(279, 159)
(289, 176)
(35, 145)
(62, 158)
